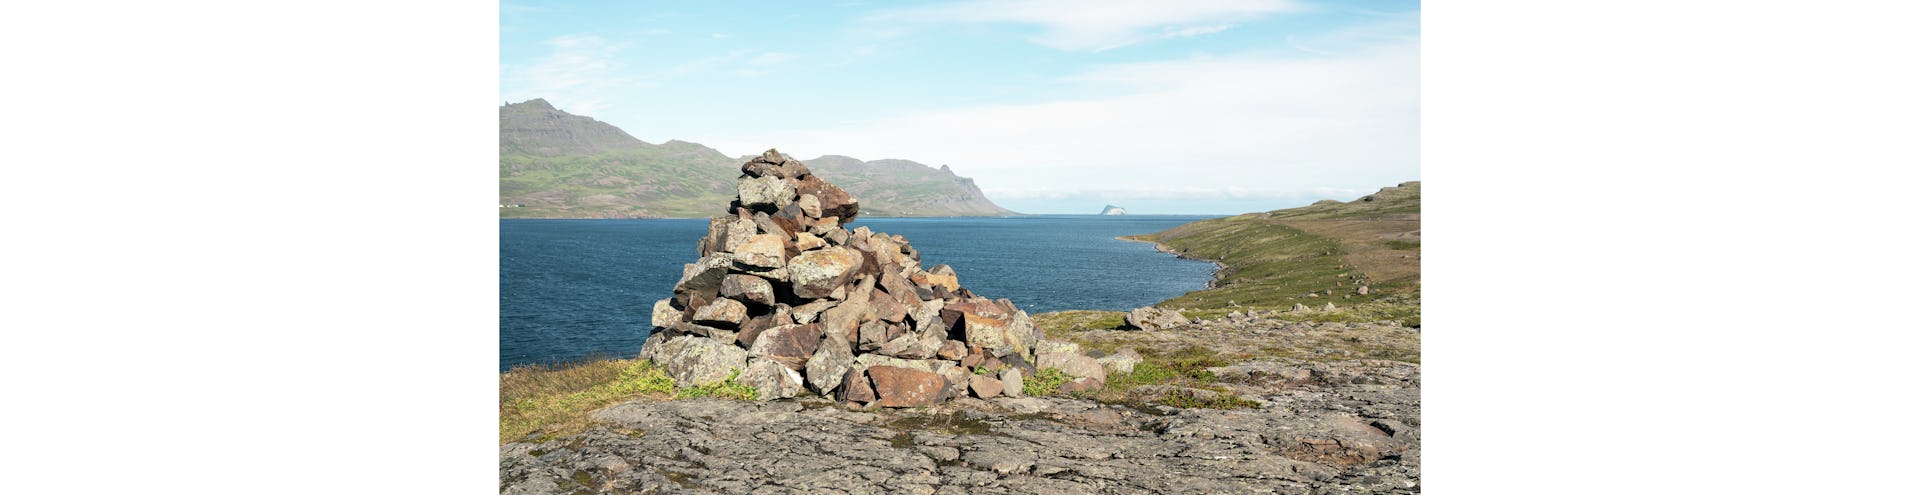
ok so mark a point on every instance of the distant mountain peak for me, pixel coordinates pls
(536, 103)
(561, 165)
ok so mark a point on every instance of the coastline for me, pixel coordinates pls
(1219, 270)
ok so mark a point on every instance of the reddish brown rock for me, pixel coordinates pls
(885, 307)
(834, 202)
(953, 350)
(902, 387)
(750, 330)
(855, 387)
(790, 345)
(986, 387)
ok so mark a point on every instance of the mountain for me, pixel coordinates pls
(1113, 210)
(554, 164)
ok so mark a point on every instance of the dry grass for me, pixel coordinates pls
(555, 400)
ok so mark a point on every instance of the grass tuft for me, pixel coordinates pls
(555, 400)
(1046, 382)
(729, 389)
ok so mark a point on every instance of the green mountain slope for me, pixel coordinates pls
(558, 165)
(1311, 255)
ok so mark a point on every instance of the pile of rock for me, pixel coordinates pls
(783, 298)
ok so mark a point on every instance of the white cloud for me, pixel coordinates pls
(721, 36)
(1095, 25)
(1249, 125)
(575, 75)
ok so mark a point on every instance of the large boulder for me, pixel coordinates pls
(695, 361)
(904, 387)
(815, 274)
(1151, 318)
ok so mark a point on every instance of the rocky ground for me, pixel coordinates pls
(1327, 421)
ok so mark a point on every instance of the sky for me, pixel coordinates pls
(1160, 107)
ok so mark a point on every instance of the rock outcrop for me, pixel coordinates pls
(801, 303)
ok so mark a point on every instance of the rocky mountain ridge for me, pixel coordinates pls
(554, 164)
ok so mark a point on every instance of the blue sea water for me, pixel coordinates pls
(571, 289)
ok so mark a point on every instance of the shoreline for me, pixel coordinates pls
(1219, 270)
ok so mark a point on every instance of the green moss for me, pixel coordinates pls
(730, 389)
(1046, 382)
(1224, 400)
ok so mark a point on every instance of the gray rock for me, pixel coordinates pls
(722, 313)
(747, 288)
(829, 365)
(1010, 379)
(664, 314)
(771, 379)
(698, 361)
(1121, 361)
(1151, 318)
(816, 274)
(765, 192)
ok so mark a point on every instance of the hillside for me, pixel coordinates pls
(1311, 255)
(554, 164)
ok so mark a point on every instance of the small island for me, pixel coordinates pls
(1113, 210)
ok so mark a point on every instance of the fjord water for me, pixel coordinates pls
(571, 289)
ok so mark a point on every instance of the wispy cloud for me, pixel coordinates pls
(1278, 124)
(575, 74)
(1096, 25)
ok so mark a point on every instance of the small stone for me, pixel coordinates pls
(810, 204)
(1011, 384)
(808, 242)
(1328, 307)
(986, 387)
(664, 314)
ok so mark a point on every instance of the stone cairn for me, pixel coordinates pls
(788, 299)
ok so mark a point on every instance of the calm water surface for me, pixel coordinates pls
(571, 289)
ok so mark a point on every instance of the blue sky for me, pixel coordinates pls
(1192, 106)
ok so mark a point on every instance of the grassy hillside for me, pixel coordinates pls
(558, 165)
(1311, 255)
